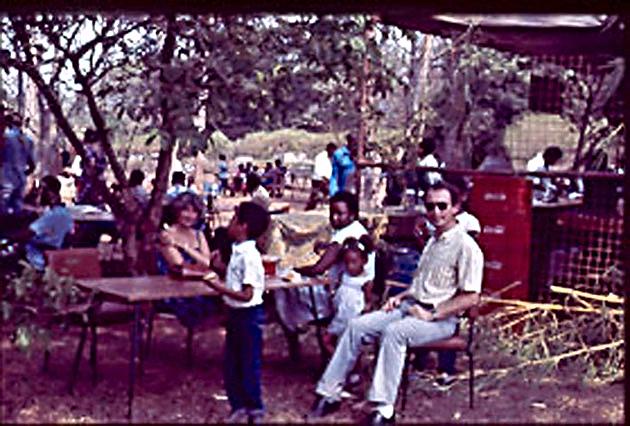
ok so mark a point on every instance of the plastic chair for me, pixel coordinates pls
(84, 263)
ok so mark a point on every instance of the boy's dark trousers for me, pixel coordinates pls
(243, 353)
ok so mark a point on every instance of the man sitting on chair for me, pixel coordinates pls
(49, 230)
(446, 283)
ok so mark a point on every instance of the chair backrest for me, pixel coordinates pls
(75, 262)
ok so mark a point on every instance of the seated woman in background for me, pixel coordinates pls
(184, 246)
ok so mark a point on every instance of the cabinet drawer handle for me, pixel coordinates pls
(494, 196)
(494, 264)
(497, 229)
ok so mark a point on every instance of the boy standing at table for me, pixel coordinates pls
(242, 293)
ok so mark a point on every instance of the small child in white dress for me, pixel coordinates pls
(354, 289)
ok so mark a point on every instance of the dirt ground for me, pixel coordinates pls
(171, 392)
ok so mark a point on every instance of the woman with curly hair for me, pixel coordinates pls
(182, 245)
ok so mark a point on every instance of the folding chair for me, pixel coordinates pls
(456, 342)
(84, 263)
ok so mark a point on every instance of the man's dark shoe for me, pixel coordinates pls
(376, 419)
(323, 407)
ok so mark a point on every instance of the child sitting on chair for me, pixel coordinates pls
(355, 287)
(242, 293)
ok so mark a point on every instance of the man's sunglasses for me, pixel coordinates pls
(441, 206)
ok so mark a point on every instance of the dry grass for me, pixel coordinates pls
(269, 145)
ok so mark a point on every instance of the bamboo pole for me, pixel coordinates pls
(562, 356)
(555, 359)
(582, 301)
(506, 288)
(611, 298)
(517, 320)
(509, 311)
(546, 306)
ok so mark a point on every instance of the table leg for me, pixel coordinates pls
(135, 345)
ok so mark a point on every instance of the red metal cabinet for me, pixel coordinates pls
(503, 206)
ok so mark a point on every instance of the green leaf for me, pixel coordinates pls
(358, 44)
(260, 76)
(23, 337)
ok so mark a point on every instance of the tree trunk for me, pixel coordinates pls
(20, 93)
(150, 226)
(455, 150)
(411, 91)
(421, 84)
(583, 127)
(48, 154)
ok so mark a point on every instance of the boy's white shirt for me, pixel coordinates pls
(245, 267)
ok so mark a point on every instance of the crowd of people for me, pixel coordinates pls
(446, 283)
(272, 178)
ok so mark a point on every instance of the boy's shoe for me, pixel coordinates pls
(445, 381)
(240, 415)
(255, 417)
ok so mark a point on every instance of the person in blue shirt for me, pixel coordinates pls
(50, 229)
(224, 174)
(136, 178)
(178, 186)
(343, 168)
(17, 161)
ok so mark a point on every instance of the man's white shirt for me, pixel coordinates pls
(323, 166)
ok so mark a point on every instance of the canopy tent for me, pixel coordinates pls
(532, 34)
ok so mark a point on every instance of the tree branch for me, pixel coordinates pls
(99, 122)
(105, 40)
(53, 103)
(166, 150)
(73, 35)
(583, 127)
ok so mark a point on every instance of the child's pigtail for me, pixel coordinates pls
(366, 244)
